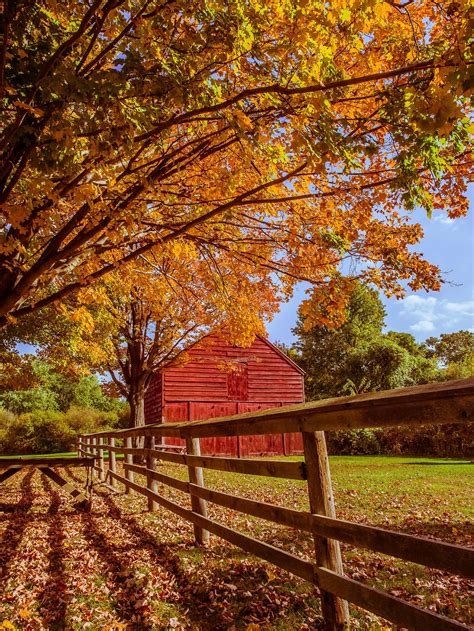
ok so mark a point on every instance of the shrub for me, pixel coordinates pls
(49, 431)
(87, 420)
(353, 442)
(38, 432)
(446, 441)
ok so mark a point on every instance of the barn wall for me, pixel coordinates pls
(153, 400)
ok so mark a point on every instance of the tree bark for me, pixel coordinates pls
(136, 399)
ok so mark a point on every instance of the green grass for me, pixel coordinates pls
(120, 555)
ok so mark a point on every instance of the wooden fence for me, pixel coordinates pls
(451, 402)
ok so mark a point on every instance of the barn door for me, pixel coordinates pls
(238, 384)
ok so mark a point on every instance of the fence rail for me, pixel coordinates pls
(451, 402)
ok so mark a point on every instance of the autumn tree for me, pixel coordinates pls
(308, 130)
(145, 318)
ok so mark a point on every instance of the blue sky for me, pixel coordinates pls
(447, 243)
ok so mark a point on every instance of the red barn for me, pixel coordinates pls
(221, 380)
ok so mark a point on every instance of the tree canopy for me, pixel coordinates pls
(450, 348)
(293, 136)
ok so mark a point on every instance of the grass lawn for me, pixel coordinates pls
(121, 567)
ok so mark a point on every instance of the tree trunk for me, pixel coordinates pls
(136, 399)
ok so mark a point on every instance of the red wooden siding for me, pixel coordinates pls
(153, 400)
(222, 380)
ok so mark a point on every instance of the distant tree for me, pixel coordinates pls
(357, 357)
(323, 352)
(24, 401)
(289, 351)
(424, 368)
(380, 364)
(450, 348)
(50, 390)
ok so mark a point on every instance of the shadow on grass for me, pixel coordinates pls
(18, 522)
(225, 588)
(53, 597)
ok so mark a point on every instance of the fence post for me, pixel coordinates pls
(321, 501)
(128, 460)
(193, 448)
(151, 484)
(112, 461)
(101, 460)
(94, 451)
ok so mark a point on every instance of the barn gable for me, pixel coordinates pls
(219, 371)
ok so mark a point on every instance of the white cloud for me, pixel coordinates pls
(420, 307)
(423, 326)
(444, 220)
(430, 313)
(465, 308)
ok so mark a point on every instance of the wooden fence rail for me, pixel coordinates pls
(451, 402)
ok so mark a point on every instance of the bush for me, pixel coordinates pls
(87, 420)
(445, 441)
(353, 442)
(21, 401)
(49, 431)
(38, 432)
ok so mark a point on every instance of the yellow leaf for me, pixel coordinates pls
(243, 121)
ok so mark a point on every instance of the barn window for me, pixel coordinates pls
(237, 384)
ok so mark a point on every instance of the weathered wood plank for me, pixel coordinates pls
(272, 468)
(196, 477)
(181, 485)
(128, 460)
(4, 475)
(448, 402)
(101, 463)
(112, 458)
(248, 466)
(65, 485)
(50, 461)
(150, 466)
(389, 607)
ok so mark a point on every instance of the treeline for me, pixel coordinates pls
(358, 357)
(48, 413)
